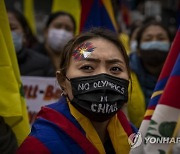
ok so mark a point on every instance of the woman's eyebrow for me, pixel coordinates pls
(107, 61)
(115, 61)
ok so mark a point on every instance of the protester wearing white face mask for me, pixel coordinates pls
(30, 62)
(57, 39)
(153, 44)
(59, 29)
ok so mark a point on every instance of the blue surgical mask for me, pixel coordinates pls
(155, 45)
(17, 40)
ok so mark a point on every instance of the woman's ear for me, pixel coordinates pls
(61, 80)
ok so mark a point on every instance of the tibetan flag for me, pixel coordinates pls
(29, 14)
(164, 108)
(12, 103)
(71, 6)
(97, 13)
(167, 111)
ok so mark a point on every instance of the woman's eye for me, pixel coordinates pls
(116, 69)
(13, 28)
(86, 68)
(162, 38)
(147, 39)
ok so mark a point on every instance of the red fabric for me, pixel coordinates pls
(68, 127)
(85, 9)
(171, 94)
(147, 117)
(29, 144)
(124, 122)
(171, 59)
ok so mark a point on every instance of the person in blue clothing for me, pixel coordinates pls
(94, 76)
(153, 44)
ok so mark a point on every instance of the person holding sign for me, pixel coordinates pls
(94, 76)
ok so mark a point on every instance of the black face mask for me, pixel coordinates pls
(99, 97)
(153, 60)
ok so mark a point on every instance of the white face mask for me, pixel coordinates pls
(57, 39)
(133, 46)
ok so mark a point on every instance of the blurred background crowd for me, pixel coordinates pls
(41, 28)
(127, 12)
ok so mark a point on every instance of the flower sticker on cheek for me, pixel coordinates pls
(83, 51)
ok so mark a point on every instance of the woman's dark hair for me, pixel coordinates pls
(31, 40)
(151, 23)
(93, 33)
(133, 27)
(53, 16)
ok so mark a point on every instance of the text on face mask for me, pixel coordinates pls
(100, 84)
(104, 108)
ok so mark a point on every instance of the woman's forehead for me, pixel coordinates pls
(12, 18)
(96, 48)
(154, 29)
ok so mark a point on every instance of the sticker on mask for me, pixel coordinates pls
(104, 108)
(83, 51)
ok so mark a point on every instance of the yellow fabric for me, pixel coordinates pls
(91, 133)
(119, 140)
(125, 41)
(136, 103)
(12, 104)
(157, 93)
(70, 6)
(29, 14)
(149, 112)
(109, 8)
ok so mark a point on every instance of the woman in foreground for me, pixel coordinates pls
(94, 76)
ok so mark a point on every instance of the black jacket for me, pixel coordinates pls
(31, 63)
(8, 142)
(40, 48)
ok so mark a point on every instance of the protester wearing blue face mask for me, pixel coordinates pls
(59, 29)
(30, 62)
(153, 44)
(17, 40)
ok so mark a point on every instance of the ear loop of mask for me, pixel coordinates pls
(63, 88)
(67, 78)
